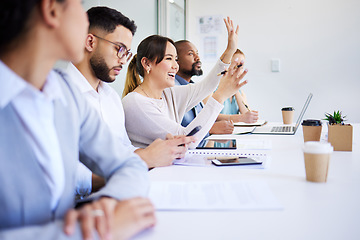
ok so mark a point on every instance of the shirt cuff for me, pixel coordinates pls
(83, 180)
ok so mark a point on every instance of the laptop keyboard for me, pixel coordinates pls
(282, 129)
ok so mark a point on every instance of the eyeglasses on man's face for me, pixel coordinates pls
(122, 51)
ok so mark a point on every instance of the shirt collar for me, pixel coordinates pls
(12, 85)
(182, 81)
(82, 83)
(79, 79)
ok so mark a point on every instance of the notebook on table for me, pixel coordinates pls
(227, 148)
(256, 124)
(284, 129)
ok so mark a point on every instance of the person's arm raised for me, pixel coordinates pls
(232, 41)
(202, 89)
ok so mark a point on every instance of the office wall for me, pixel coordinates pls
(317, 42)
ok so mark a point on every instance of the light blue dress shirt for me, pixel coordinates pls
(25, 198)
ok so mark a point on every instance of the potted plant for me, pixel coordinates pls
(339, 133)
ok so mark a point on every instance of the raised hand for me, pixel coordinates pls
(230, 83)
(232, 40)
(232, 34)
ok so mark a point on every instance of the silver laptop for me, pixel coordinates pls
(282, 129)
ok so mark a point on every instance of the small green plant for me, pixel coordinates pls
(335, 118)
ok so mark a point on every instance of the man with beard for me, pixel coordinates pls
(107, 49)
(189, 66)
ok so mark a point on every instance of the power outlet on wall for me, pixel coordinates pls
(275, 65)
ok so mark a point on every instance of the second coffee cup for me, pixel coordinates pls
(311, 130)
(317, 159)
(288, 115)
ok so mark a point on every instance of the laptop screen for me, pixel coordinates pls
(303, 111)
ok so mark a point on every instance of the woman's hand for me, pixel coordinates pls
(97, 215)
(111, 219)
(132, 216)
(232, 34)
(232, 40)
(162, 153)
(230, 83)
(222, 127)
(247, 117)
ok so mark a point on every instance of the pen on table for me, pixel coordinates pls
(247, 107)
(223, 72)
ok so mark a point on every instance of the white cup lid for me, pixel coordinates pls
(317, 147)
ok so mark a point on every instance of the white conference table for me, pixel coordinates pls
(310, 210)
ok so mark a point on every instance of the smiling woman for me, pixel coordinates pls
(155, 107)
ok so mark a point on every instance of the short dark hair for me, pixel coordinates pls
(14, 16)
(180, 42)
(108, 19)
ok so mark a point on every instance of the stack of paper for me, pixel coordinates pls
(237, 195)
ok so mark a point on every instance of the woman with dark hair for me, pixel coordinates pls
(155, 106)
(45, 124)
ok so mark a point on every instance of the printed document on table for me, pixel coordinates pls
(243, 130)
(203, 159)
(219, 196)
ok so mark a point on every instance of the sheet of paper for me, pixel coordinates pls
(243, 124)
(253, 144)
(193, 160)
(243, 130)
(237, 195)
(237, 131)
(204, 160)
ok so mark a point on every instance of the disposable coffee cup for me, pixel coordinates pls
(311, 130)
(288, 115)
(317, 159)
